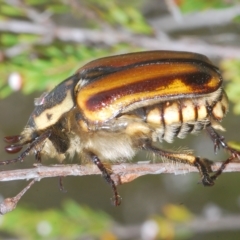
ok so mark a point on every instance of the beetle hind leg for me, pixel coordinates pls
(203, 165)
(116, 199)
(219, 142)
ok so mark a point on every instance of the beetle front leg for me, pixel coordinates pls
(35, 143)
(107, 177)
(203, 165)
(219, 141)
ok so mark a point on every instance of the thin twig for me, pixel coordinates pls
(195, 226)
(127, 172)
(174, 10)
(9, 204)
(196, 20)
(32, 13)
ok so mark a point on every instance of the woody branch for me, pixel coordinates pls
(126, 172)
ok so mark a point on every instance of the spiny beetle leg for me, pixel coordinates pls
(62, 189)
(203, 165)
(39, 149)
(34, 144)
(204, 168)
(38, 156)
(116, 198)
(221, 168)
(216, 138)
(219, 141)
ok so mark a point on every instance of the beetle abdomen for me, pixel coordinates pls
(177, 118)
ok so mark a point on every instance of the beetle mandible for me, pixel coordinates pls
(114, 106)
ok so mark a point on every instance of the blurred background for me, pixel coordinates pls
(44, 42)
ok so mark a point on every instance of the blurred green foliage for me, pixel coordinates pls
(69, 223)
(79, 222)
(42, 66)
(187, 6)
(231, 73)
(173, 216)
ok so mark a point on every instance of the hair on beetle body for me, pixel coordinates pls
(113, 107)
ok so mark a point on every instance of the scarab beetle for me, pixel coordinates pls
(114, 106)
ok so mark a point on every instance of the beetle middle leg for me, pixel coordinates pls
(203, 165)
(107, 177)
(219, 142)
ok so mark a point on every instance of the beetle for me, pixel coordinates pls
(114, 106)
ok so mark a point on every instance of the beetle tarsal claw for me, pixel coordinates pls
(219, 141)
(208, 181)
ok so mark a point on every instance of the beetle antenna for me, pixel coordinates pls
(32, 145)
(116, 198)
(12, 139)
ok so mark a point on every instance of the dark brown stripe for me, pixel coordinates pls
(180, 117)
(162, 119)
(196, 81)
(209, 108)
(195, 111)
